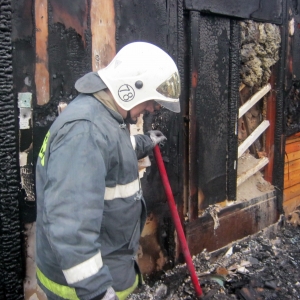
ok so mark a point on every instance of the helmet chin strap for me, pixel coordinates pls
(128, 118)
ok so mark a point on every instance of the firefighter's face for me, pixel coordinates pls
(141, 108)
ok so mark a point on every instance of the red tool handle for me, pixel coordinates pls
(176, 219)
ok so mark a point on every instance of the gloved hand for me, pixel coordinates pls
(110, 294)
(156, 136)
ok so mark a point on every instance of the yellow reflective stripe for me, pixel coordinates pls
(122, 295)
(43, 148)
(62, 291)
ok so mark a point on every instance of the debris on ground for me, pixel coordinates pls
(263, 266)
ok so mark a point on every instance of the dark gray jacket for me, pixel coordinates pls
(90, 208)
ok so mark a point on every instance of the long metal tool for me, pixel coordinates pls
(176, 220)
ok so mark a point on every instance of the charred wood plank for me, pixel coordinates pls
(11, 255)
(69, 47)
(258, 10)
(296, 42)
(233, 100)
(278, 117)
(157, 22)
(211, 105)
(103, 33)
(271, 111)
(182, 202)
(69, 57)
(193, 128)
(236, 222)
(41, 44)
(24, 58)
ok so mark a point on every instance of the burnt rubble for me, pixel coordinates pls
(263, 266)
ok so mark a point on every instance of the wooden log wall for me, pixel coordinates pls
(55, 42)
(292, 174)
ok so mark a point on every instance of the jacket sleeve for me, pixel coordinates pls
(74, 203)
(142, 144)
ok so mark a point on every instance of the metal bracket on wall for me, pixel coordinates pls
(24, 104)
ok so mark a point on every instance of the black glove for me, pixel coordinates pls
(156, 136)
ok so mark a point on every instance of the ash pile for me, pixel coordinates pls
(263, 266)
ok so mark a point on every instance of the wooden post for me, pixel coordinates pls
(270, 115)
(41, 42)
(103, 33)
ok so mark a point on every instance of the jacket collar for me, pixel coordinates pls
(109, 104)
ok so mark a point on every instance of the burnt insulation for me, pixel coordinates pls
(293, 111)
(10, 228)
(260, 50)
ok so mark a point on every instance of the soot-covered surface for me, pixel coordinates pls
(263, 266)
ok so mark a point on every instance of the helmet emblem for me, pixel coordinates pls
(126, 93)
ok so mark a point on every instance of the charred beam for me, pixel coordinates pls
(258, 10)
(103, 33)
(296, 46)
(233, 99)
(235, 222)
(41, 41)
(211, 106)
(11, 267)
(193, 130)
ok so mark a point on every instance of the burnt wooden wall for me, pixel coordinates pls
(48, 44)
(161, 24)
(11, 262)
(213, 94)
(68, 56)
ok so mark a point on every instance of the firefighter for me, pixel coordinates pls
(90, 206)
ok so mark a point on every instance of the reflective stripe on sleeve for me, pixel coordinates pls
(84, 270)
(62, 291)
(133, 141)
(122, 190)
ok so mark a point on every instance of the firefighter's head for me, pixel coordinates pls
(141, 75)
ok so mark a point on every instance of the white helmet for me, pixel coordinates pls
(139, 72)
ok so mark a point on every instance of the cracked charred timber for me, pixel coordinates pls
(47, 44)
(11, 260)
